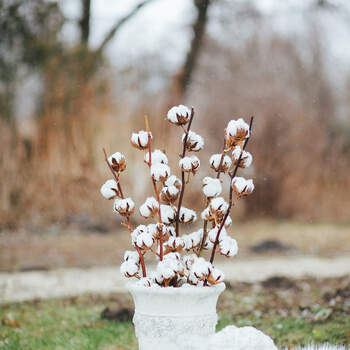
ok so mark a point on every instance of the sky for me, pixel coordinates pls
(163, 27)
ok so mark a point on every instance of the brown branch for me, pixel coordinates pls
(156, 192)
(205, 234)
(205, 222)
(221, 160)
(119, 24)
(116, 177)
(183, 175)
(142, 261)
(232, 175)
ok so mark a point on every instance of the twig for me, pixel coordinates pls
(183, 175)
(205, 222)
(119, 24)
(114, 174)
(142, 261)
(232, 175)
(221, 160)
(156, 192)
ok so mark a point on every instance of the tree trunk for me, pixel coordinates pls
(183, 78)
(85, 22)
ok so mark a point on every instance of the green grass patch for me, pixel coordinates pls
(304, 312)
(58, 325)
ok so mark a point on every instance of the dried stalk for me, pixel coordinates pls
(232, 175)
(142, 261)
(156, 191)
(205, 222)
(177, 219)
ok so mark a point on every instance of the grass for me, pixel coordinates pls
(291, 312)
(62, 325)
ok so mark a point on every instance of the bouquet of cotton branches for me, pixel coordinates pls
(180, 260)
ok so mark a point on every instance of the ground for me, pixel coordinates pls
(290, 311)
(62, 247)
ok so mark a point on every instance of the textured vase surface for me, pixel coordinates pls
(175, 318)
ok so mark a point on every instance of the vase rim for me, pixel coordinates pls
(188, 290)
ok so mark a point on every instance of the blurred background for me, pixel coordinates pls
(79, 75)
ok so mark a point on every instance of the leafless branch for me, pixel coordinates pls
(232, 175)
(177, 219)
(110, 35)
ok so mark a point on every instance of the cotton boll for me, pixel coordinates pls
(228, 222)
(236, 132)
(158, 278)
(194, 141)
(174, 244)
(169, 194)
(167, 270)
(130, 255)
(215, 160)
(179, 115)
(117, 161)
(193, 240)
(187, 242)
(188, 260)
(189, 164)
(185, 164)
(173, 262)
(211, 187)
(157, 157)
(159, 230)
(160, 172)
(171, 231)
(242, 187)
(129, 268)
(192, 279)
(196, 238)
(246, 158)
(207, 215)
(212, 234)
(216, 276)
(172, 256)
(201, 268)
(173, 181)
(144, 240)
(218, 208)
(228, 247)
(109, 189)
(124, 207)
(145, 282)
(187, 215)
(149, 208)
(138, 230)
(140, 139)
(167, 214)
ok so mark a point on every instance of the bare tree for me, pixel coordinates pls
(183, 78)
(115, 28)
(85, 21)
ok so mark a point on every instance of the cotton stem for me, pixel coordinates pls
(177, 219)
(155, 188)
(142, 261)
(232, 175)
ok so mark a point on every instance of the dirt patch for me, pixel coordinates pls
(24, 251)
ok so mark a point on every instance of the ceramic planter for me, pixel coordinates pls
(174, 318)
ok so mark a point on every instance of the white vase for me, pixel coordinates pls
(174, 318)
